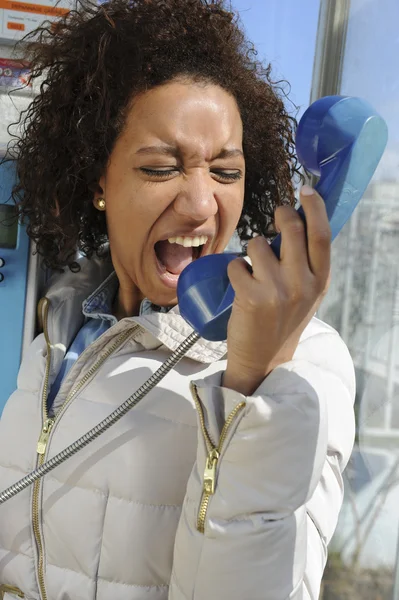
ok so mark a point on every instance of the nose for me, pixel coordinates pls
(196, 199)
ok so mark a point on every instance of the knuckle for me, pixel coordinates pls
(279, 300)
(258, 301)
(254, 301)
(275, 300)
(322, 236)
(255, 243)
(283, 212)
(284, 209)
(296, 226)
(289, 219)
(296, 295)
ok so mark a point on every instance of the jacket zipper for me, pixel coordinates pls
(48, 423)
(214, 452)
(41, 448)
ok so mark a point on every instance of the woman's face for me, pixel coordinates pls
(174, 186)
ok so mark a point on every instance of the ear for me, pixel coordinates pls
(98, 189)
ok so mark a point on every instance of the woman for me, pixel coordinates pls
(157, 130)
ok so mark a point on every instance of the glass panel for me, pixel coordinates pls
(8, 226)
(273, 28)
(363, 304)
(282, 31)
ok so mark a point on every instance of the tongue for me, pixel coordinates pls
(173, 256)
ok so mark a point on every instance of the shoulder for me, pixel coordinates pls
(321, 345)
(65, 291)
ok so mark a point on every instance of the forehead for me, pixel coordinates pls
(198, 118)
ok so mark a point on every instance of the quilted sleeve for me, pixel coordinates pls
(265, 493)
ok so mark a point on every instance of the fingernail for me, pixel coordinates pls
(306, 190)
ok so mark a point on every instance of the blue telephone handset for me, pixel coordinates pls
(341, 139)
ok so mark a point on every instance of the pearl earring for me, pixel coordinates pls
(100, 204)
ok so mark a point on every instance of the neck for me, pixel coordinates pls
(127, 303)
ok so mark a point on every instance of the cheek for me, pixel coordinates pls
(133, 212)
(230, 207)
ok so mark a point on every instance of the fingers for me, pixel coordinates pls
(293, 249)
(318, 233)
(305, 251)
(261, 266)
(305, 246)
(263, 260)
(240, 274)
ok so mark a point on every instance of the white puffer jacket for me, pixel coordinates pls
(122, 519)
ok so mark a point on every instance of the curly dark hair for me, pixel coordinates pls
(91, 63)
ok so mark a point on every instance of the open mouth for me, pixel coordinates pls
(174, 254)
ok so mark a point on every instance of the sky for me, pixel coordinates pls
(284, 32)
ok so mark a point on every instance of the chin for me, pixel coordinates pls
(165, 299)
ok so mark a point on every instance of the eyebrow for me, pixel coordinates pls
(172, 151)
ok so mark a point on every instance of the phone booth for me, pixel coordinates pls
(18, 267)
(20, 276)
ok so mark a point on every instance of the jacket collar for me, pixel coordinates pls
(68, 295)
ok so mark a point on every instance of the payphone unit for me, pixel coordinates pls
(18, 267)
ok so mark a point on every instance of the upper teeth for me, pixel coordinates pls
(199, 240)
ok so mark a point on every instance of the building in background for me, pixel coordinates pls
(363, 304)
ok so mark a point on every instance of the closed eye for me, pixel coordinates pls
(158, 172)
(228, 176)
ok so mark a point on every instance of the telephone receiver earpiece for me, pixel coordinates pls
(340, 139)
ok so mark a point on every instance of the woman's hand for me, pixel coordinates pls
(275, 303)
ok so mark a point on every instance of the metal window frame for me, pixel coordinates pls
(326, 81)
(330, 48)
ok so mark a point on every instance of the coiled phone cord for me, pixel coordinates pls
(91, 435)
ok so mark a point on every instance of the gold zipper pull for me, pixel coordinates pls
(210, 471)
(212, 459)
(10, 589)
(43, 439)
